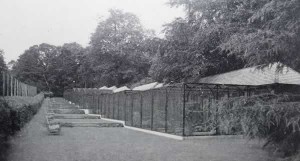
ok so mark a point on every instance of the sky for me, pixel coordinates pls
(24, 23)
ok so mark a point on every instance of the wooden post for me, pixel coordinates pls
(26, 89)
(7, 84)
(141, 108)
(152, 110)
(3, 83)
(11, 85)
(15, 87)
(19, 89)
(22, 89)
(166, 112)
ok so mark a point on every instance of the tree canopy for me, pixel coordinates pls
(117, 54)
(215, 36)
(221, 35)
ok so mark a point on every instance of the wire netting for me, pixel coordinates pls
(175, 111)
(147, 97)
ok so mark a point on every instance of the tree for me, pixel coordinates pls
(121, 32)
(191, 49)
(117, 55)
(3, 66)
(35, 66)
(272, 34)
(50, 67)
(66, 67)
(221, 35)
(258, 31)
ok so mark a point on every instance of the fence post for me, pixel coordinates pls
(3, 83)
(101, 107)
(98, 104)
(18, 88)
(141, 101)
(93, 102)
(118, 105)
(183, 113)
(113, 105)
(7, 84)
(11, 85)
(166, 111)
(132, 99)
(15, 87)
(125, 107)
(152, 109)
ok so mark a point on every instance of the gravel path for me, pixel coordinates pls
(120, 144)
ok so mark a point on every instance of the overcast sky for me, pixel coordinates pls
(24, 23)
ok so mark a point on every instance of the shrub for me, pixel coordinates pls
(15, 112)
(23, 109)
(5, 121)
(275, 118)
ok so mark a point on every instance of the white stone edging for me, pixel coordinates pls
(156, 133)
(113, 120)
(146, 131)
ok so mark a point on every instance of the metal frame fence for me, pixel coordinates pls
(155, 109)
(184, 109)
(13, 87)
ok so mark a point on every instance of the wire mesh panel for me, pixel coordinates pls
(198, 112)
(175, 111)
(147, 109)
(96, 104)
(111, 106)
(122, 105)
(105, 105)
(129, 109)
(137, 109)
(116, 106)
(159, 110)
(101, 101)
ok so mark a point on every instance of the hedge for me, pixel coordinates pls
(15, 112)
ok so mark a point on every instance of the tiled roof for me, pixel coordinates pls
(256, 76)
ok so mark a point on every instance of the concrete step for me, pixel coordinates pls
(75, 116)
(66, 111)
(86, 123)
(80, 124)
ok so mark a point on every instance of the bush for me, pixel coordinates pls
(23, 109)
(5, 121)
(274, 118)
(15, 112)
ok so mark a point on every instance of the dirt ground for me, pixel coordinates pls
(120, 144)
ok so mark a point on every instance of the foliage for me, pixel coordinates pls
(275, 118)
(2, 62)
(22, 110)
(50, 67)
(192, 46)
(117, 54)
(256, 31)
(36, 65)
(5, 121)
(14, 113)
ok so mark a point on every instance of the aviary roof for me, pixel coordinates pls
(255, 76)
